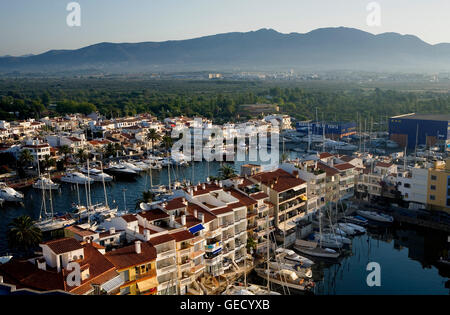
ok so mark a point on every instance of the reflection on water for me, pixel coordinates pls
(407, 257)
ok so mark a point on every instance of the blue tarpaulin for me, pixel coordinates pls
(196, 228)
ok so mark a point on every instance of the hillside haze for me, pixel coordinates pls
(265, 49)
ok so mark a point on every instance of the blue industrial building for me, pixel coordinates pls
(430, 129)
(333, 130)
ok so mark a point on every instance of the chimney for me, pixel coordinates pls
(295, 173)
(195, 188)
(41, 264)
(147, 235)
(137, 247)
(112, 230)
(203, 186)
(208, 179)
(183, 220)
(196, 213)
(172, 220)
(220, 184)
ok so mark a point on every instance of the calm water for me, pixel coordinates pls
(407, 255)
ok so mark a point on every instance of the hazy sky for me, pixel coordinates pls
(40, 25)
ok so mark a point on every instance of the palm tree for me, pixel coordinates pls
(23, 235)
(26, 157)
(65, 150)
(109, 150)
(284, 157)
(147, 196)
(226, 172)
(47, 163)
(81, 155)
(153, 136)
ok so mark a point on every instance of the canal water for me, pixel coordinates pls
(407, 255)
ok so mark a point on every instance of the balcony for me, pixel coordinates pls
(166, 253)
(213, 247)
(262, 208)
(166, 269)
(185, 251)
(212, 261)
(213, 233)
(186, 281)
(290, 195)
(197, 254)
(149, 274)
(185, 265)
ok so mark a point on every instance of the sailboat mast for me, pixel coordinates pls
(104, 185)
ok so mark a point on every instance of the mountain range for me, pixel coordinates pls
(266, 49)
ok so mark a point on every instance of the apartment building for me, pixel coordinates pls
(377, 179)
(288, 193)
(51, 271)
(166, 265)
(38, 149)
(136, 265)
(438, 192)
(412, 185)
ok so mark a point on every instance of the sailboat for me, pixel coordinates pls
(48, 221)
(45, 183)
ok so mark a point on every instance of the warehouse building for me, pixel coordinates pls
(431, 130)
(333, 130)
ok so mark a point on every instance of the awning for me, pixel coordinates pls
(112, 284)
(147, 285)
(217, 251)
(196, 228)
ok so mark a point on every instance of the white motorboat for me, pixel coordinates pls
(9, 194)
(252, 289)
(45, 183)
(76, 178)
(346, 228)
(311, 249)
(290, 255)
(336, 237)
(121, 170)
(97, 175)
(376, 216)
(357, 228)
(160, 189)
(142, 165)
(132, 166)
(300, 272)
(285, 278)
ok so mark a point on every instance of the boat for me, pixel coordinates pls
(359, 220)
(142, 165)
(97, 175)
(286, 278)
(1, 201)
(325, 241)
(10, 194)
(121, 170)
(357, 228)
(54, 223)
(290, 255)
(132, 166)
(376, 216)
(5, 259)
(311, 249)
(159, 189)
(252, 289)
(76, 178)
(347, 229)
(45, 183)
(305, 273)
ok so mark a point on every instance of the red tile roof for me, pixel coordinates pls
(328, 170)
(280, 179)
(259, 195)
(325, 155)
(182, 236)
(129, 217)
(63, 245)
(165, 238)
(208, 215)
(383, 164)
(154, 214)
(127, 257)
(344, 166)
(176, 203)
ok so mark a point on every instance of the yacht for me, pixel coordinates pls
(300, 272)
(97, 175)
(5, 259)
(252, 289)
(376, 216)
(290, 255)
(76, 178)
(285, 278)
(324, 241)
(357, 220)
(45, 183)
(311, 249)
(9, 194)
(142, 165)
(356, 228)
(132, 166)
(121, 170)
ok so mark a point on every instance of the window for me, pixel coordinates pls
(433, 177)
(432, 197)
(433, 187)
(448, 202)
(407, 185)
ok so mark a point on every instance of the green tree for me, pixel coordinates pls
(65, 150)
(227, 172)
(153, 136)
(26, 158)
(23, 235)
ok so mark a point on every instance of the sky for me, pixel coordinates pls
(38, 26)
